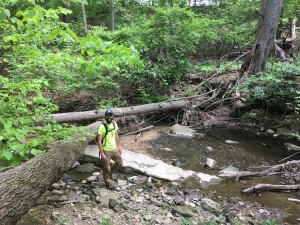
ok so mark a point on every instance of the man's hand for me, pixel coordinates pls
(103, 156)
(120, 149)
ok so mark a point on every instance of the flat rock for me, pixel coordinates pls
(155, 168)
(182, 130)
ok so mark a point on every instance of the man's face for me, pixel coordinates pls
(109, 118)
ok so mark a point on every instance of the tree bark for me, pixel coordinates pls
(118, 112)
(84, 19)
(112, 14)
(269, 16)
(22, 186)
(68, 16)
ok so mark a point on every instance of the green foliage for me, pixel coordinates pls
(106, 220)
(171, 33)
(276, 83)
(69, 63)
(22, 107)
(213, 67)
(289, 10)
(270, 222)
(170, 37)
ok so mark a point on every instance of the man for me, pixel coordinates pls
(109, 146)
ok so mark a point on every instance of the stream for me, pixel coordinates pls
(252, 152)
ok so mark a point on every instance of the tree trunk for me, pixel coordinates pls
(269, 16)
(118, 112)
(112, 15)
(84, 19)
(68, 16)
(22, 186)
(293, 32)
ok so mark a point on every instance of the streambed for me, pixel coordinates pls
(254, 152)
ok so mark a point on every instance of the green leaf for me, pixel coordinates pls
(90, 53)
(73, 35)
(36, 152)
(31, 13)
(6, 12)
(66, 11)
(7, 154)
(34, 143)
(17, 147)
(20, 137)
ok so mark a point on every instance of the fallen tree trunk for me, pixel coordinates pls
(22, 186)
(271, 187)
(118, 112)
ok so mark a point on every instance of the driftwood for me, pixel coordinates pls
(294, 200)
(22, 186)
(272, 170)
(271, 187)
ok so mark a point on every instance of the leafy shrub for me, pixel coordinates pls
(278, 82)
(23, 107)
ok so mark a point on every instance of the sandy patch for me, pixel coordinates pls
(140, 143)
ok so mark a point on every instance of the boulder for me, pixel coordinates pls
(182, 130)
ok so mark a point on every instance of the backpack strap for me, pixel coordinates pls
(106, 130)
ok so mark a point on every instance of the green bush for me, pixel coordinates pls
(279, 81)
(23, 108)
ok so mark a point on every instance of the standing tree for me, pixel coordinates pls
(269, 16)
(112, 14)
(84, 18)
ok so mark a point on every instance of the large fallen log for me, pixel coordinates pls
(118, 112)
(22, 186)
(271, 187)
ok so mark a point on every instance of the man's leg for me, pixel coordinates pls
(118, 161)
(106, 167)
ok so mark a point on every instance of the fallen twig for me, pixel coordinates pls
(137, 136)
(140, 130)
(289, 156)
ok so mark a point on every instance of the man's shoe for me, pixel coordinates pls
(114, 177)
(111, 186)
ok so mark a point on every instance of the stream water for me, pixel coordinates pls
(254, 152)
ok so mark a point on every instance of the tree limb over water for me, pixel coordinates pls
(294, 166)
(271, 187)
(271, 171)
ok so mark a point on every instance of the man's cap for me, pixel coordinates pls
(109, 112)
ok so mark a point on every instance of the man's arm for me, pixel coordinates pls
(118, 142)
(101, 152)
